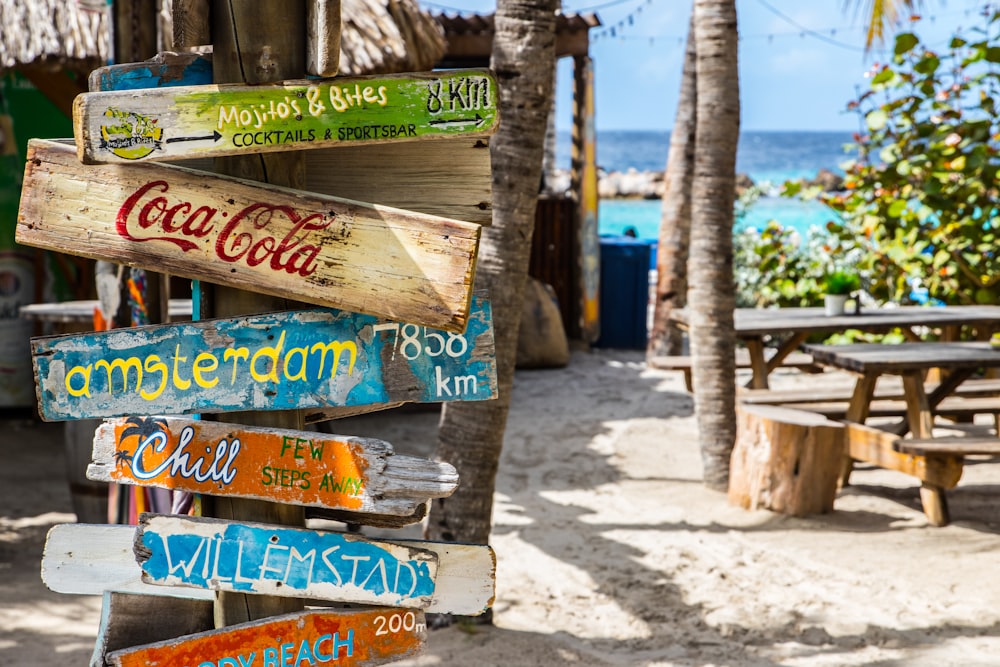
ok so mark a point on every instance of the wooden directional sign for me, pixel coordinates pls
(302, 468)
(277, 361)
(284, 562)
(360, 638)
(314, 248)
(125, 621)
(236, 119)
(81, 559)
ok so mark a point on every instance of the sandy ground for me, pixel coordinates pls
(611, 552)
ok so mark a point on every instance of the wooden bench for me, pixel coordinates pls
(954, 406)
(950, 445)
(975, 387)
(936, 462)
(683, 362)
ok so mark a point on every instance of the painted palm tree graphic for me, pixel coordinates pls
(142, 427)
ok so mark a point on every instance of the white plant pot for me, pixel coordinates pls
(834, 304)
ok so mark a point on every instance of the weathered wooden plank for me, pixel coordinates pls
(351, 638)
(278, 361)
(163, 70)
(281, 561)
(449, 177)
(871, 445)
(362, 475)
(191, 25)
(235, 119)
(81, 559)
(125, 622)
(319, 249)
(323, 37)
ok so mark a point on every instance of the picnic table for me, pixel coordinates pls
(937, 469)
(792, 326)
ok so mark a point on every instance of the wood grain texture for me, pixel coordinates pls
(951, 445)
(191, 25)
(163, 70)
(348, 638)
(770, 321)
(237, 119)
(281, 561)
(877, 447)
(785, 460)
(323, 37)
(363, 475)
(125, 622)
(449, 177)
(277, 361)
(82, 559)
(319, 249)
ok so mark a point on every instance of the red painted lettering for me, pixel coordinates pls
(243, 238)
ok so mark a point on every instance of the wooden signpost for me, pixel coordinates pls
(279, 361)
(417, 268)
(233, 119)
(362, 475)
(361, 638)
(82, 559)
(282, 562)
(414, 333)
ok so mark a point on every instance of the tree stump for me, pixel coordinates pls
(785, 460)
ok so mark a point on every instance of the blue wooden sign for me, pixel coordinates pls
(286, 562)
(279, 361)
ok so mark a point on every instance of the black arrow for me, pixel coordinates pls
(215, 136)
(478, 120)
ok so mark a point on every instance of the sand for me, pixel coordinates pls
(612, 552)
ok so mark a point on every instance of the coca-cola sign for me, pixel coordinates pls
(257, 233)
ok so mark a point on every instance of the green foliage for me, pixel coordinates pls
(921, 198)
(842, 282)
(775, 267)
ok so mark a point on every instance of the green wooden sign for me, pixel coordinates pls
(213, 120)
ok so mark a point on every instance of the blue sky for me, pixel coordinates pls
(801, 61)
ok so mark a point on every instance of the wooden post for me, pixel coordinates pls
(785, 460)
(257, 42)
(584, 180)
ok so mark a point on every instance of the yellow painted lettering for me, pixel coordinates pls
(198, 368)
(123, 365)
(178, 382)
(235, 354)
(230, 116)
(155, 365)
(303, 353)
(271, 353)
(85, 372)
(336, 347)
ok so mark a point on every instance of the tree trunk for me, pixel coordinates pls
(711, 291)
(471, 434)
(675, 220)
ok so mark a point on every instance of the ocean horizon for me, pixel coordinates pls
(767, 157)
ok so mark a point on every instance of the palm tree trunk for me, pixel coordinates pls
(675, 219)
(711, 290)
(471, 434)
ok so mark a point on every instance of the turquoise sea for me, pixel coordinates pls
(767, 157)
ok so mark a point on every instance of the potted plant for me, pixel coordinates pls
(839, 286)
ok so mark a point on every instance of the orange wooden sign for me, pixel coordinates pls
(375, 636)
(278, 465)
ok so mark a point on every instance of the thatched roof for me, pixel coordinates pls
(52, 33)
(379, 36)
(387, 36)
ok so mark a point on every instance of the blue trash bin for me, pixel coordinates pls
(624, 295)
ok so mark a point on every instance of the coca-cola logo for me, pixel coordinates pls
(147, 215)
